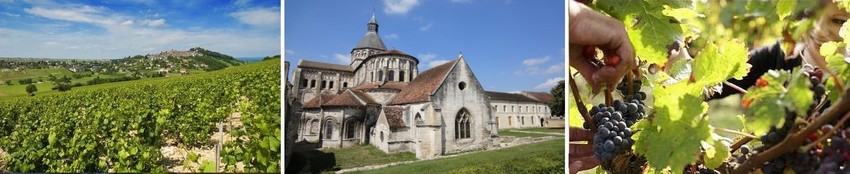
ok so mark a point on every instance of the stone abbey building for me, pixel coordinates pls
(382, 99)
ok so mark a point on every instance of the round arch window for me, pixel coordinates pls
(461, 85)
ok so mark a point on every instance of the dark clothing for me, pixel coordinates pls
(762, 60)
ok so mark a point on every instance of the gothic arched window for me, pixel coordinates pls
(462, 125)
(329, 129)
(419, 119)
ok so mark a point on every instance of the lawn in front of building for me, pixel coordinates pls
(542, 157)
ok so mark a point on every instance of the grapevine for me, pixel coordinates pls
(794, 118)
(121, 128)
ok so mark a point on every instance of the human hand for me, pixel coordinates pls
(581, 155)
(590, 28)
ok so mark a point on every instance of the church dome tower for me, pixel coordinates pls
(369, 45)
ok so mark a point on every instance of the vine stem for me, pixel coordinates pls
(737, 145)
(580, 105)
(736, 132)
(795, 140)
(736, 87)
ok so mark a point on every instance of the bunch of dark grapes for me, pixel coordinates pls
(836, 155)
(612, 136)
(776, 135)
(816, 79)
(624, 88)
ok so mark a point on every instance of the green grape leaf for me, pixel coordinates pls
(648, 28)
(841, 66)
(274, 144)
(717, 64)
(678, 121)
(799, 93)
(193, 157)
(716, 152)
(828, 49)
(785, 8)
(123, 154)
(766, 104)
(51, 139)
(208, 166)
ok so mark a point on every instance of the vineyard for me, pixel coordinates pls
(121, 127)
(656, 120)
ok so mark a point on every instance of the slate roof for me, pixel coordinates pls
(394, 116)
(425, 83)
(509, 97)
(323, 65)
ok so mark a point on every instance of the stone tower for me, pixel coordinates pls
(369, 45)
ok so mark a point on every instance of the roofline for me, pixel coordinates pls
(375, 55)
(445, 77)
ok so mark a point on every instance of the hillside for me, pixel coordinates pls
(122, 127)
(175, 60)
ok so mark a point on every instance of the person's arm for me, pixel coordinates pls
(762, 60)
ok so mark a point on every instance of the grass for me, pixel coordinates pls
(366, 155)
(542, 129)
(33, 73)
(520, 134)
(542, 157)
(44, 87)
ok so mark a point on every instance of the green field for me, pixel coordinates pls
(46, 86)
(520, 134)
(34, 73)
(541, 129)
(364, 155)
(543, 157)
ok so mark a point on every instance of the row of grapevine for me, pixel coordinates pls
(121, 127)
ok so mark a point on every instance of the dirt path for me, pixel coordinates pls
(174, 156)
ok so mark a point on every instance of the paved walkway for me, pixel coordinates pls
(534, 140)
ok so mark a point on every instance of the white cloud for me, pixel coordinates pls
(549, 83)
(435, 63)
(84, 14)
(11, 14)
(288, 51)
(391, 36)
(532, 66)
(399, 6)
(536, 61)
(554, 69)
(515, 92)
(265, 17)
(427, 26)
(427, 57)
(153, 23)
(462, 1)
(342, 58)
(127, 23)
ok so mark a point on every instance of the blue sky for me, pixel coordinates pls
(510, 45)
(120, 28)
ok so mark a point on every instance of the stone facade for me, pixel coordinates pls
(518, 110)
(382, 99)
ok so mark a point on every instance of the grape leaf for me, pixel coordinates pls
(767, 103)
(679, 122)
(785, 8)
(716, 152)
(799, 93)
(717, 64)
(648, 28)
